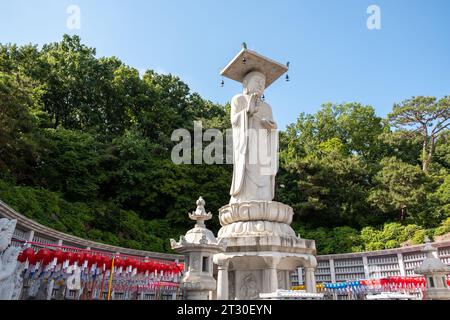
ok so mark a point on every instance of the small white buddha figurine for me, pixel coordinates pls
(8, 263)
(7, 228)
(255, 136)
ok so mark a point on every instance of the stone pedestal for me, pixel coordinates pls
(262, 250)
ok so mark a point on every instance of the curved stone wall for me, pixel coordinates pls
(29, 230)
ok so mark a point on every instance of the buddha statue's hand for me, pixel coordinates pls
(252, 108)
(269, 124)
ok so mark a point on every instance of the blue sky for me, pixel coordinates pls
(334, 56)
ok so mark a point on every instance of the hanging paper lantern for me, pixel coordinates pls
(137, 265)
(150, 266)
(98, 260)
(89, 257)
(58, 255)
(144, 266)
(31, 256)
(21, 257)
(44, 256)
(107, 261)
(119, 262)
(68, 256)
(27, 254)
(79, 258)
(130, 263)
(159, 267)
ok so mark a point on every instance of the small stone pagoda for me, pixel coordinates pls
(198, 246)
(435, 272)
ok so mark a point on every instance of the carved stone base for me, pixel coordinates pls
(256, 228)
(256, 218)
(262, 249)
(256, 211)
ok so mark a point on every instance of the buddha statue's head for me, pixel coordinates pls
(254, 82)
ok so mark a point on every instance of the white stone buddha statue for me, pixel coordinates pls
(255, 143)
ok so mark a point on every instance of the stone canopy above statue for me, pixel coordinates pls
(247, 61)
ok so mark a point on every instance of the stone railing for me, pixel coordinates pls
(374, 264)
(31, 231)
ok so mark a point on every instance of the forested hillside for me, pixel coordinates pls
(85, 145)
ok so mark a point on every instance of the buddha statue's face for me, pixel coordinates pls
(254, 82)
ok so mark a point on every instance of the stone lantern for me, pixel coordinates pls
(198, 246)
(435, 273)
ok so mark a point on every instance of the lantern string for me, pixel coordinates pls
(103, 253)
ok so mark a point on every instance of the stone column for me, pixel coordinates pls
(401, 264)
(366, 267)
(287, 281)
(30, 235)
(310, 280)
(332, 271)
(270, 277)
(222, 280)
(273, 287)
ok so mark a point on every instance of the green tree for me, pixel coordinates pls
(426, 116)
(399, 188)
(18, 138)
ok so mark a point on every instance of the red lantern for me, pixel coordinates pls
(146, 266)
(159, 267)
(79, 258)
(90, 259)
(98, 260)
(68, 256)
(130, 263)
(138, 266)
(30, 255)
(119, 262)
(107, 262)
(58, 254)
(27, 254)
(21, 257)
(44, 256)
